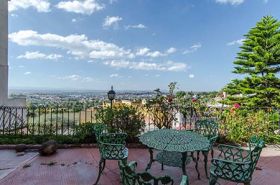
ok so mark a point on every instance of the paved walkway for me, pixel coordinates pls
(79, 167)
(10, 161)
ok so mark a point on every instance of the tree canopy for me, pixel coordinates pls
(258, 63)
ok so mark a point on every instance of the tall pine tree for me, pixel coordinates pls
(259, 64)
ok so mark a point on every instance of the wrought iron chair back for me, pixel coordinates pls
(256, 145)
(130, 177)
(111, 147)
(208, 128)
(99, 128)
(235, 163)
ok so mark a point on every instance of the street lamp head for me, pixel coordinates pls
(111, 94)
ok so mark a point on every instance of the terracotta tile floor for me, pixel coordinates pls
(79, 167)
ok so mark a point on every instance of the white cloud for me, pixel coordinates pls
(71, 77)
(166, 66)
(148, 53)
(142, 51)
(40, 56)
(193, 48)
(232, 2)
(74, 20)
(157, 75)
(112, 21)
(191, 75)
(137, 26)
(236, 42)
(75, 77)
(27, 73)
(115, 75)
(80, 47)
(39, 5)
(77, 45)
(155, 54)
(171, 50)
(82, 7)
(14, 15)
(87, 79)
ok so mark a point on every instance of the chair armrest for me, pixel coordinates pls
(212, 140)
(228, 169)
(132, 165)
(185, 180)
(233, 153)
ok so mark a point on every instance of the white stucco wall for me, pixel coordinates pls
(3, 51)
(4, 68)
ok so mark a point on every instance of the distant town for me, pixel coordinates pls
(92, 98)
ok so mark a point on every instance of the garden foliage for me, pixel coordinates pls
(238, 125)
(122, 118)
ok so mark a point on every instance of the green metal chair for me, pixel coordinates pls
(209, 129)
(98, 129)
(130, 177)
(111, 147)
(236, 164)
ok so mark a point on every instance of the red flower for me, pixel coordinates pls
(236, 105)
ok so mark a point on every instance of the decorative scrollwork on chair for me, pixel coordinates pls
(236, 164)
(111, 147)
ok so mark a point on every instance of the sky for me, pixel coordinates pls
(130, 44)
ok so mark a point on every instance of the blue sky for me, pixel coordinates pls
(131, 44)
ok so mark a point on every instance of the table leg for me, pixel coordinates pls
(184, 158)
(151, 159)
(196, 164)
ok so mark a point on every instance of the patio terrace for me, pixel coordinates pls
(79, 167)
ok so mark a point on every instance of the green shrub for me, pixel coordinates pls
(122, 119)
(239, 125)
(161, 108)
(37, 139)
(87, 132)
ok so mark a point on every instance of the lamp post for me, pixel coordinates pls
(111, 95)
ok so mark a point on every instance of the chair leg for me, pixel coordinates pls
(212, 153)
(103, 165)
(101, 168)
(205, 154)
(213, 180)
(196, 165)
(162, 168)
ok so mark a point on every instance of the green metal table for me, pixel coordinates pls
(174, 141)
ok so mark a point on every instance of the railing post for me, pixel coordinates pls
(68, 124)
(51, 122)
(33, 119)
(4, 117)
(39, 120)
(62, 121)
